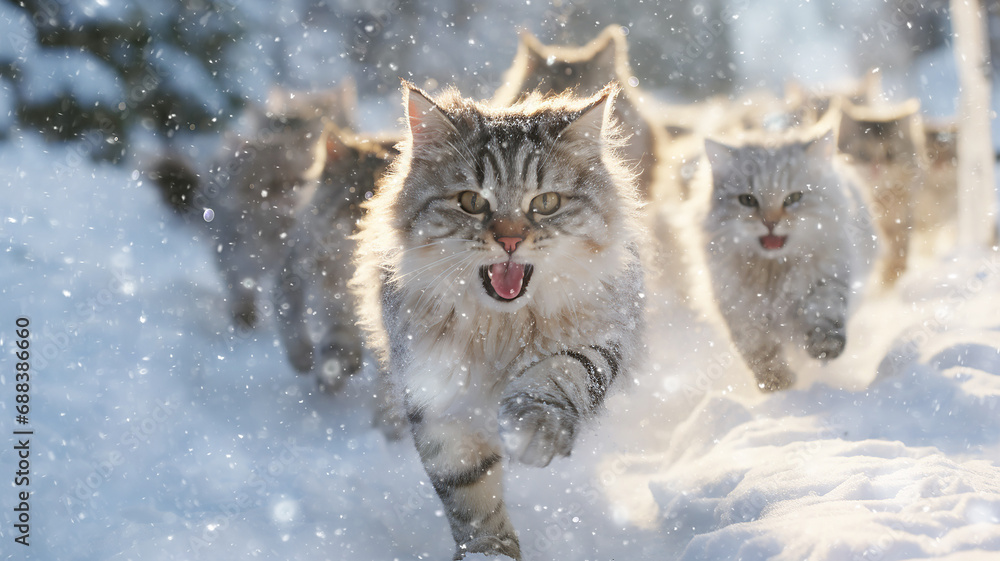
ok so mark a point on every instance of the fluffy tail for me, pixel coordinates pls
(177, 181)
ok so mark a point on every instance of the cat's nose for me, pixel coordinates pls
(509, 243)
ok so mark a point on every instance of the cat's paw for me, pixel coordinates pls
(534, 430)
(300, 354)
(775, 379)
(492, 548)
(826, 343)
(338, 360)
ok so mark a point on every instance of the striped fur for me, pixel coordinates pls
(481, 376)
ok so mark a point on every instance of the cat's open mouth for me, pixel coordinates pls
(771, 241)
(506, 281)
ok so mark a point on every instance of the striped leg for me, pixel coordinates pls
(464, 468)
(542, 409)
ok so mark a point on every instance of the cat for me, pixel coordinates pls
(317, 266)
(786, 237)
(586, 70)
(935, 206)
(500, 285)
(885, 145)
(245, 202)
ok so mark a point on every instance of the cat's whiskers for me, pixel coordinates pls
(440, 241)
(422, 269)
(432, 285)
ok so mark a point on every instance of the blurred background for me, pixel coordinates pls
(107, 71)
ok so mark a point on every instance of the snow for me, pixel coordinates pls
(160, 432)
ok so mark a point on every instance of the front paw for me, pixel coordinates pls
(826, 343)
(534, 430)
(493, 548)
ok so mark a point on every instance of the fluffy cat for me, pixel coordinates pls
(249, 197)
(786, 237)
(586, 70)
(313, 280)
(884, 144)
(255, 186)
(500, 284)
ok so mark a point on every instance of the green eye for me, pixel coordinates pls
(473, 202)
(546, 203)
(748, 200)
(793, 198)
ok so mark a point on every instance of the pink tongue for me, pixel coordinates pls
(506, 279)
(771, 241)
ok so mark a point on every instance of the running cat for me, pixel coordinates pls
(501, 286)
(784, 234)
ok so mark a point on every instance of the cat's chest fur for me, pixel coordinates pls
(765, 290)
(461, 351)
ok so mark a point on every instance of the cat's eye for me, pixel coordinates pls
(748, 200)
(793, 198)
(473, 202)
(546, 203)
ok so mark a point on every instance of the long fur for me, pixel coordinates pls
(798, 295)
(480, 377)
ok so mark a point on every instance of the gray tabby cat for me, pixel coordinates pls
(586, 70)
(255, 186)
(500, 284)
(313, 280)
(786, 238)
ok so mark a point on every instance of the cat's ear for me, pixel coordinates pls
(721, 157)
(426, 121)
(823, 147)
(534, 52)
(593, 119)
(606, 49)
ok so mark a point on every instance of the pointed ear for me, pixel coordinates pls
(721, 156)
(426, 121)
(595, 118)
(607, 48)
(847, 129)
(823, 146)
(534, 50)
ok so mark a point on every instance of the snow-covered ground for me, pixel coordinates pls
(162, 433)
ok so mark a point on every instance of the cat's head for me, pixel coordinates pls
(518, 206)
(356, 162)
(557, 69)
(877, 138)
(772, 201)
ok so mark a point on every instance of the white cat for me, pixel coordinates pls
(787, 242)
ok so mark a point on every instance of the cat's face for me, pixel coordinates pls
(510, 207)
(768, 201)
(585, 69)
(879, 145)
